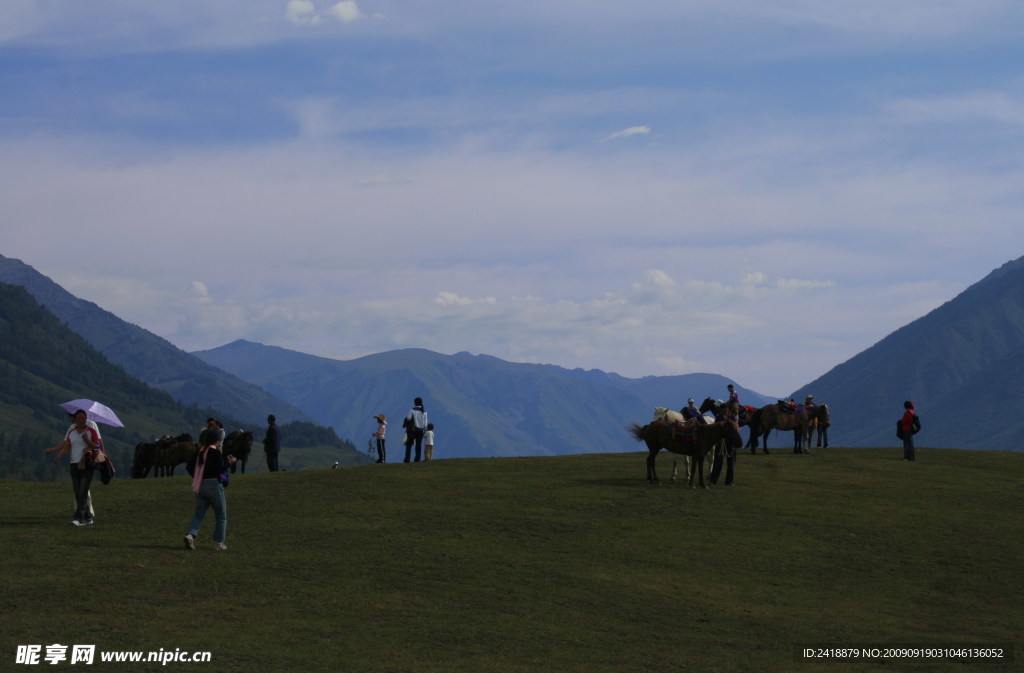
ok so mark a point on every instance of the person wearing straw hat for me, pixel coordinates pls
(382, 428)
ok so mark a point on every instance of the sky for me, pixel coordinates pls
(759, 189)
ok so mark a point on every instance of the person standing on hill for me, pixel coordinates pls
(428, 442)
(382, 428)
(81, 440)
(910, 424)
(272, 443)
(415, 425)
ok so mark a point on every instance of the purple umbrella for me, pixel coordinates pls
(94, 411)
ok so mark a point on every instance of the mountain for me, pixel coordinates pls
(44, 363)
(961, 364)
(149, 357)
(481, 405)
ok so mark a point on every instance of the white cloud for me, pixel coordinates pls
(346, 11)
(302, 12)
(631, 131)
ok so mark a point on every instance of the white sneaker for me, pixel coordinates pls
(190, 541)
(77, 522)
(220, 546)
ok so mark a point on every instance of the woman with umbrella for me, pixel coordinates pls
(82, 441)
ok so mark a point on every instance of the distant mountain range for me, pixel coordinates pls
(481, 405)
(148, 357)
(44, 363)
(962, 365)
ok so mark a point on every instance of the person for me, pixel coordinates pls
(272, 443)
(910, 424)
(734, 396)
(382, 427)
(214, 424)
(428, 442)
(728, 456)
(415, 424)
(81, 441)
(823, 433)
(206, 468)
(690, 411)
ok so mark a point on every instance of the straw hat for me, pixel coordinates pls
(382, 418)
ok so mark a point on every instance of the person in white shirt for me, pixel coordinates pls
(428, 442)
(415, 424)
(80, 441)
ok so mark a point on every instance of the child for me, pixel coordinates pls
(428, 441)
(382, 427)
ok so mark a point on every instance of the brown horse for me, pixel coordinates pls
(772, 417)
(173, 455)
(239, 445)
(146, 454)
(661, 435)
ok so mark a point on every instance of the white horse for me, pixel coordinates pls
(665, 414)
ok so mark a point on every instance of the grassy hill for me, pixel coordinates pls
(568, 564)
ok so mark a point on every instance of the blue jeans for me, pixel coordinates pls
(908, 445)
(81, 480)
(211, 494)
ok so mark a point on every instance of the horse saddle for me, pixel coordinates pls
(686, 431)
(787, 407)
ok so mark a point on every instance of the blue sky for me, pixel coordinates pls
(756, 188)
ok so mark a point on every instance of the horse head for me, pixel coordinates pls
(709, 405)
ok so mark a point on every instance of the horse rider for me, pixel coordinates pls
(690, 411)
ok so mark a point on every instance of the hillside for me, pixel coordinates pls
(481, 405)
(149, 357)
(44, 363)
(961, 364)
(571, 564)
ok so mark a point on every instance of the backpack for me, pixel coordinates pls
(916, 424)
(899, 429)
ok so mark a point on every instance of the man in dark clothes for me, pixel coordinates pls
(272, 443)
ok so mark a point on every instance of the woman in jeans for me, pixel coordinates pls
(81, 440)
(206, 468)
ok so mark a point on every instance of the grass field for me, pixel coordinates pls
(519, 565)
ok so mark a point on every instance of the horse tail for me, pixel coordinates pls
(636, 430)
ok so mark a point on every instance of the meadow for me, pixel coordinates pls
(525, 565)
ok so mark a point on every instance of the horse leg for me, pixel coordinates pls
(675, 467)
(652, 475)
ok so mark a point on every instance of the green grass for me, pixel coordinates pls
(517, 565)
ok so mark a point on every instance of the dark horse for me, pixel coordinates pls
(744, 413)
(239, 445)
(773, 417)
(660, 435)
(148, 453)
(169, 457)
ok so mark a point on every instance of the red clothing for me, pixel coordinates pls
(908, 420)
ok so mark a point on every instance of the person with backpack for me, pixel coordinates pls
(415, 425)
(909, 426)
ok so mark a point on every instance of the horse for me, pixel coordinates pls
(239, 445)
(659, 435)
(715, 407)
(146, 453)
(773, 417)
(669, 416)
(169, 457)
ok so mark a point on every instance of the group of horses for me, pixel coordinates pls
(166, 453)
(699, 439)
